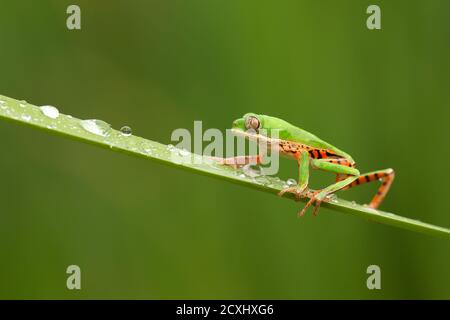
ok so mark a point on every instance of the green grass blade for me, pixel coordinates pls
(30, 115)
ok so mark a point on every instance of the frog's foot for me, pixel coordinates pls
(314, 199)
(298, 192)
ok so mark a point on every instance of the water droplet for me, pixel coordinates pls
(3, 107)
(291, 182)
(252, 170)
(50, 111)
(98, 127)
(242, 175)
(126, 131)
(183, 152)
(171, 148)
(263, 180)
(26, 117)
(332, 196)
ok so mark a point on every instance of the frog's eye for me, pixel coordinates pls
(252, 122)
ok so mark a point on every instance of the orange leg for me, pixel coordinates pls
(385, 176)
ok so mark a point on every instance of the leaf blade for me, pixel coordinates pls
(67, 126)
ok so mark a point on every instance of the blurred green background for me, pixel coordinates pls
(141, 230)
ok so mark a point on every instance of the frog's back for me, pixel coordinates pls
(290, 132)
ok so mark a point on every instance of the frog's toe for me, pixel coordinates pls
(298, 192)
(314, 199)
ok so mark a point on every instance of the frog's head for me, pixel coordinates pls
(250, 121)
(262, 125)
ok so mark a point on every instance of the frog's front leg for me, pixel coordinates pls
(239, 161)
(301, 189)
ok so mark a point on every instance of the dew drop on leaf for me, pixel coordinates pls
(50, 112)
(97, 127)
(291, 182)
(183, 152)
(252, 171)
(126, 131)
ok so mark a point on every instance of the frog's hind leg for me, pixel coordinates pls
(340, 177)
(317, 197)
(341, 162)
(346, 174)
(385, 176)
